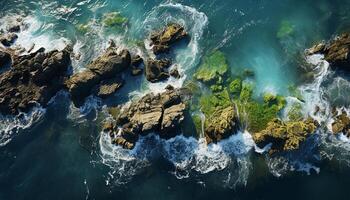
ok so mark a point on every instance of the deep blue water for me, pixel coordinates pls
(62, 155)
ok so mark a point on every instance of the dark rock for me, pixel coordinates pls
(33, 78)
(5, 59)
(136, 61)
(15, 28)
(8, 39)
(162, 40)
(174, 73)
(156, 70)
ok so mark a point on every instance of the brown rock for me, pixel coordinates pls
(162, 40)
(156, 70)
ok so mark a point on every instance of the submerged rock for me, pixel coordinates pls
(159, 113)
(107, 66)
(285, 136)
(162, 40)
(33, 78)
(156, 70)
(213, 68)
(5, 59)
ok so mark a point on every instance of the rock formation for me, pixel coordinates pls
(162, 40)
(33, 78)
(159, 113)
(102, 75)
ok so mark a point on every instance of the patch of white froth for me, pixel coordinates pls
(193, 21)
(92, 104)
(280, 166)
(37, 34)
(11, 125)
(188, 155)
(313, 93)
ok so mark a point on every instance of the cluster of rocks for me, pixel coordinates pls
(161, 113)
(33, 78)
(161, 41)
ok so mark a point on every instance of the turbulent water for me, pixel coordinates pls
(59, 153)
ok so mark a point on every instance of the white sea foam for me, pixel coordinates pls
(188, 155)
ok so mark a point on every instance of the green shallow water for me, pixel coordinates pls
(63, 156)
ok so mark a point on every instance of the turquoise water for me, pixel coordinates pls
(58, 153)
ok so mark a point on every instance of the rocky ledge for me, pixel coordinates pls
(285, 136)
(162, 114)
(33, 78)
(162, 40)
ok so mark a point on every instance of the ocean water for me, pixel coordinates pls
(59, 153)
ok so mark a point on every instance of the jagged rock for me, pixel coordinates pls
(285, 136)
(221, 125)
(109, 87)
(174, 73)
(162, 40)
(156, 70)
(160, 113)
(341, 124)
(105, 69)
(33, 78)
(8, 39)
(5, 59)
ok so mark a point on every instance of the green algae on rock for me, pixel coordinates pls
(285, 136)
(213, 68)
(114, 19)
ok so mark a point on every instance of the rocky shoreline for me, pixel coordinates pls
(226, 107)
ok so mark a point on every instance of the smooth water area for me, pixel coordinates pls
(59, 153)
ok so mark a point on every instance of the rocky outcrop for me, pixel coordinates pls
(33, 78)
(221, 125)
(160, 113)
(102, 75)
(285, 136)
(156, 70)
(162, 40)
(336, 51)
(341, 124)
